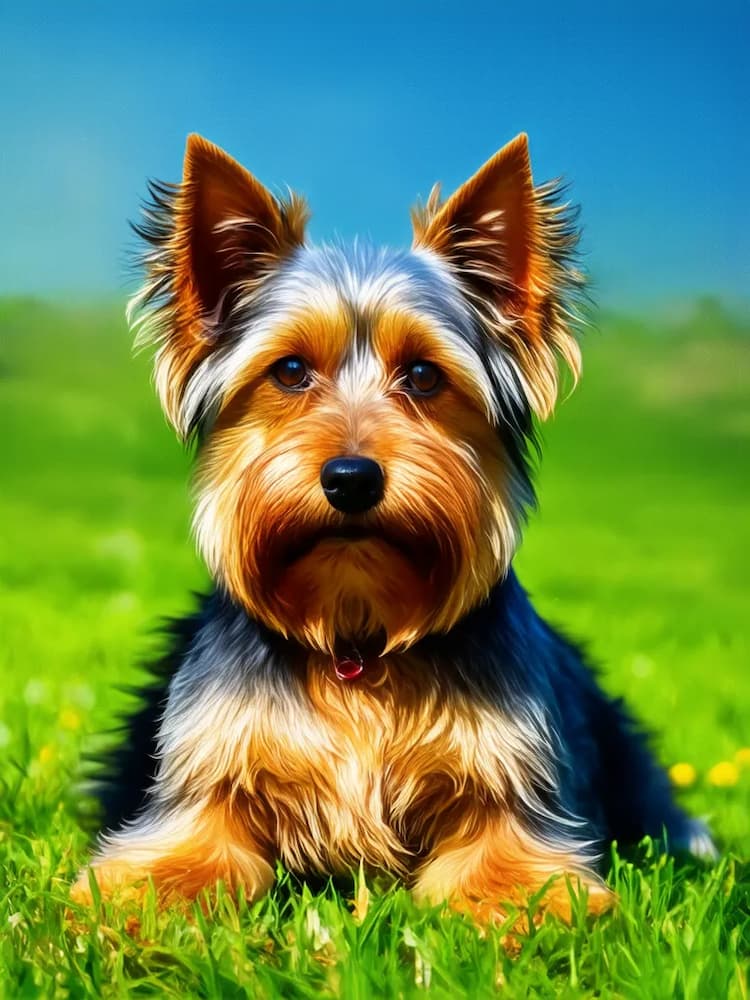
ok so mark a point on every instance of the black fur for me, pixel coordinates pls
(127, 771)
(504, 653)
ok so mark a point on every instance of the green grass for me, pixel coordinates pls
(640, 547)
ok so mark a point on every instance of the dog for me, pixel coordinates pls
(368, 683)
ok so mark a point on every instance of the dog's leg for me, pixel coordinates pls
(183, 850)
(504, 863)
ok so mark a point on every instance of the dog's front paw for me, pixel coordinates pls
(558, 898)
(505, 869)
(112, 879)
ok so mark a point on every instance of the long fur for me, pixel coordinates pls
(603, 781)
(475, 755)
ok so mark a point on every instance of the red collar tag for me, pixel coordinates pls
(349, 666)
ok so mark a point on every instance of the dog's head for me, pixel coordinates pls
(362, 414)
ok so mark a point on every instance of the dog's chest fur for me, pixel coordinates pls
(327, 772)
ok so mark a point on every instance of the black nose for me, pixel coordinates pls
(352, 484)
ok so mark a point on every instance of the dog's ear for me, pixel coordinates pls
(511, 244)
(212, 238)
(229, 228)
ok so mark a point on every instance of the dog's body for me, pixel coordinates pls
(369, 683)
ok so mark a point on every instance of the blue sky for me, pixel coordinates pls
(361, 107)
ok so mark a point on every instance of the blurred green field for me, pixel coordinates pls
(640, 547)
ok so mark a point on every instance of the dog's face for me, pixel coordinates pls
(362, 414)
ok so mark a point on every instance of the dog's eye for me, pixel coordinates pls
(291, 373)
(423, 378)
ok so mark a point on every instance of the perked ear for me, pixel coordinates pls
(229, 225)
(211, 239)
(510, 245)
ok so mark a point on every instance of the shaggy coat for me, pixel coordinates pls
(368, 683)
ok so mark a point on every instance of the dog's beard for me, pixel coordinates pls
(347, 579)
(398, 572)
(357, 589)
(364, 581)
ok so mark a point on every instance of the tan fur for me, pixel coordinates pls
(505, 239)
(502, 864)
(408, 769)
(259, 492)
(399, 771)
(227, 232)
(182, 855)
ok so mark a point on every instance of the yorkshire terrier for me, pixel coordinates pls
(368, 683)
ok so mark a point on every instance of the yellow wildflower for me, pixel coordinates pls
(724, 774)
(683, 775)
(742, 757)
(46, 754)
(70, 719)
